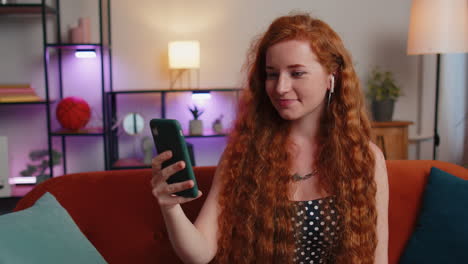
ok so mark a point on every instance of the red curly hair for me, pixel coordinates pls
(255, 223)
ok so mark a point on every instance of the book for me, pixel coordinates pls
(7, 91)
(15, 86)
(18, 93)
(20, 98)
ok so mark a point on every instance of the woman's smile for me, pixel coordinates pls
(286, 102)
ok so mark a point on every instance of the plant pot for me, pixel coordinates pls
(42, 178)
(196, 127)
(382, 111)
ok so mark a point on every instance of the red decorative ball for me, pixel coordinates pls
(73, 113)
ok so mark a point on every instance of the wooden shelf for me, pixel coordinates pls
(24, 9)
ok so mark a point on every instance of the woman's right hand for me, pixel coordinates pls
(163, 191)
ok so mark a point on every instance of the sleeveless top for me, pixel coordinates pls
(316, 227)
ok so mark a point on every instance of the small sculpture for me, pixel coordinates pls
(218, 125)
(147, 148)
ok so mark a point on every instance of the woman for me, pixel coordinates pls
(299, 181)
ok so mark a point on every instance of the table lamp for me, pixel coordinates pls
(184, 56)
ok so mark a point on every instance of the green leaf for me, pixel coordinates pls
(381, 85)
(38, 154)
(29, 171)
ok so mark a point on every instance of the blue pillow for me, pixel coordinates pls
(441, 233)
(44, 233)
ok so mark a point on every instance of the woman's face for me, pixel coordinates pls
(296, 82)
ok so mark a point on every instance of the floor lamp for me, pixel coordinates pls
(438, 27)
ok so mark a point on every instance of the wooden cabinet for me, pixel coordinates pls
(392, 138)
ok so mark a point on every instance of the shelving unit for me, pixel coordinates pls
(113, 105)
(103, 52)
(51, 10)
(41, 10)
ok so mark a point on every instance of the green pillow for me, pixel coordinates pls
(441, 233)
(44, 233)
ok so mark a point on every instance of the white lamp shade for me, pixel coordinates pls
(184, 55)
(438, 26)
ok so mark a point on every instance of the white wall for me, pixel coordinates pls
(453, 108)
(375, 32)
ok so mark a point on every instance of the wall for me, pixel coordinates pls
(375, 33)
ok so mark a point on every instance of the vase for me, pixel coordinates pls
(218, 128)
(382, 111)
(196, 127)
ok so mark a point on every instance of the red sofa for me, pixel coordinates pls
(118, 214)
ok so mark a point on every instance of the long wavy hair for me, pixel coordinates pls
(255, 223)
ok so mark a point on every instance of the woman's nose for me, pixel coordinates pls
(283, 85)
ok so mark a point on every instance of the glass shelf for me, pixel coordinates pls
(81, 132)
(24, 9)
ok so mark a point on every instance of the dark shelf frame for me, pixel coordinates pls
(26, 9)
(205, 136)
(104, 55)
(111, 98)
(81, 132)
(75, 46)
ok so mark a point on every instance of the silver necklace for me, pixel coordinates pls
(297, 177)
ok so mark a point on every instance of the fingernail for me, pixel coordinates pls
(182, 164)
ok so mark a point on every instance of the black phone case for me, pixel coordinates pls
(167, 135)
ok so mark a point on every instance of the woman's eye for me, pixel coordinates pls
(271, 75)
(297, 73)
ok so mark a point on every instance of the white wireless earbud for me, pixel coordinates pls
(332, 88)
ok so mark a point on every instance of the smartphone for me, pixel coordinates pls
(167, 135)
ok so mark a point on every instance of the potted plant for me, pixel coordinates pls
(196, 125)
(382, 91)
(41, 164)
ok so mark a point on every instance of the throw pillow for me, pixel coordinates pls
(441, 233)
(44, 233)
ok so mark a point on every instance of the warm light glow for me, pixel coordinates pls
(85, 54)
(438, 26)
(22, 180)
(184, 55)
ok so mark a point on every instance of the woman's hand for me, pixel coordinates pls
(164, 192)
